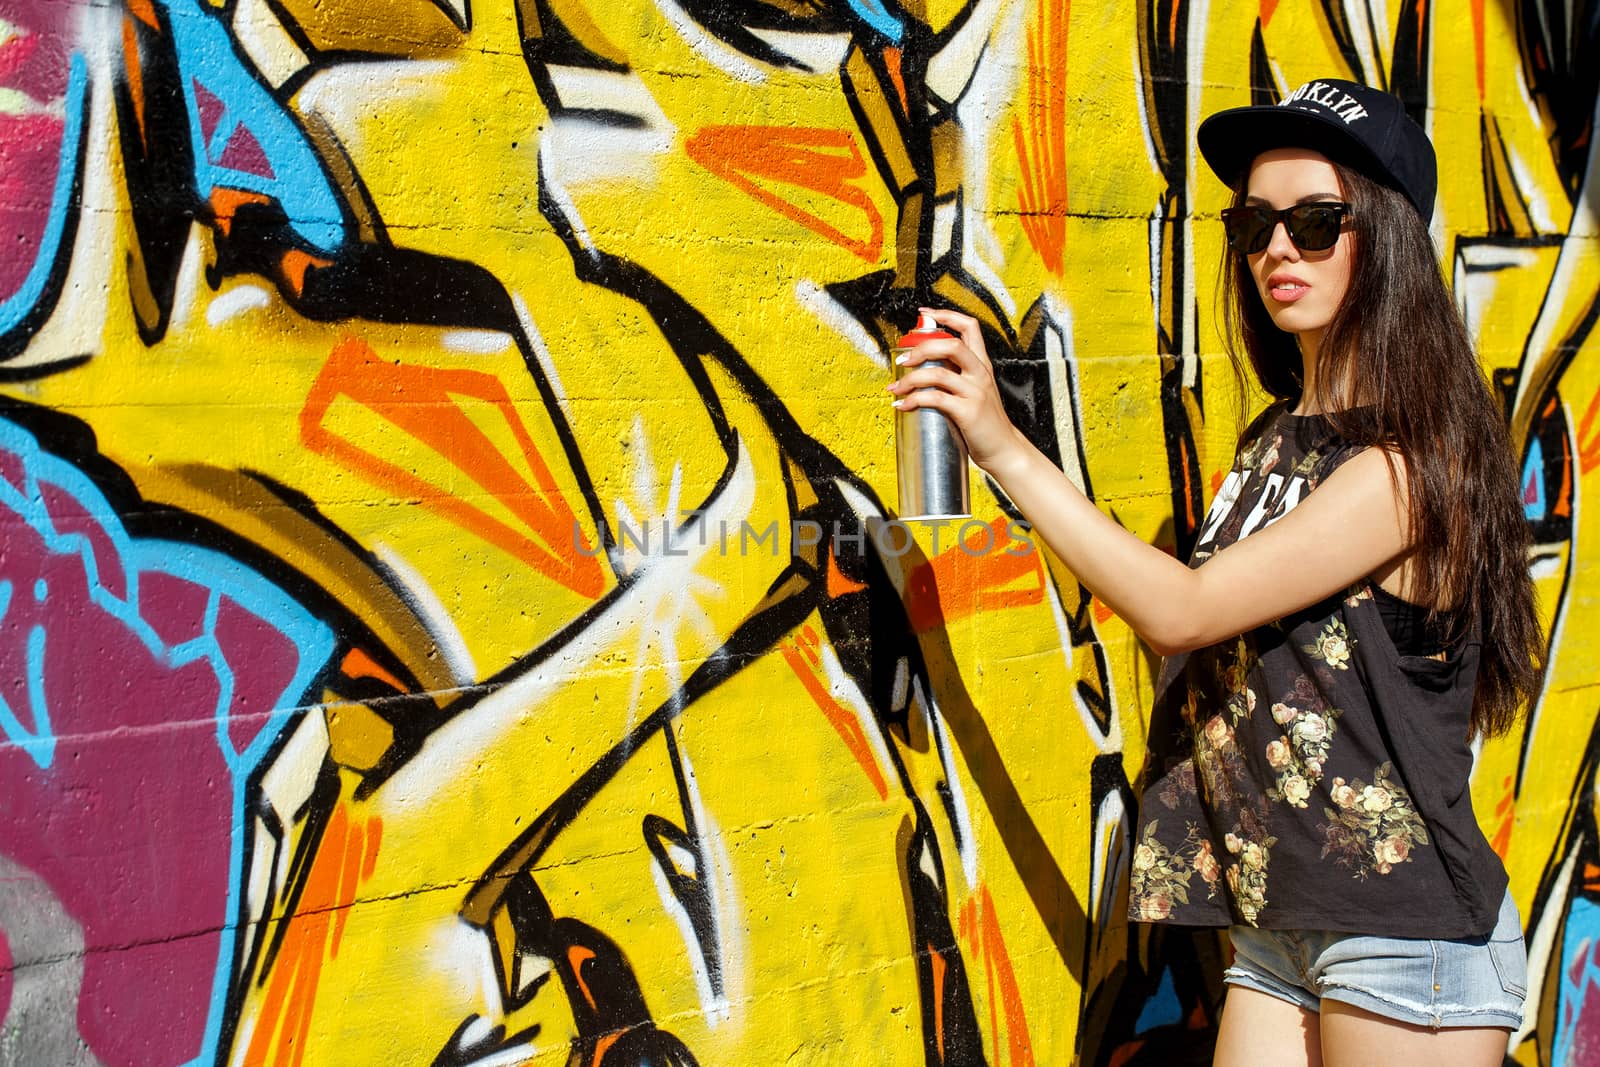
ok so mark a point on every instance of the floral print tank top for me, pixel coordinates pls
(1307, 774)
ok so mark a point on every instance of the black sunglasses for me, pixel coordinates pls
(1312, 227)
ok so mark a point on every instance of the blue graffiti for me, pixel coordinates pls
(17, 306)
(1580, 937)
(873, 13)
(222, 578)
(1162, 1009)
(243, 138)
(39, 742)
(1534, 504)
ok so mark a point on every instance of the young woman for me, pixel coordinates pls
(1357, 608)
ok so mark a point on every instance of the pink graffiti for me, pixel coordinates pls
(117, 790)
(34, 62)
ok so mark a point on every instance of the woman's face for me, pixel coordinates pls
(1301, 290)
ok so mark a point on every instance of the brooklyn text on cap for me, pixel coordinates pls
(1354, 124)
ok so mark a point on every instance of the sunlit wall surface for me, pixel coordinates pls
(450, 605)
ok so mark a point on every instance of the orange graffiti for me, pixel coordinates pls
(1267, 8)
(1124, 1053)
(144, 12)
(891, 62)
(1504, 812)
(1189, 515)
(346, 858)
(803, 661)
(1588, 437)
(1042, 148)
(577, 956)
(296, 263)
(838, 583)
(425, 404)
(225, 202)
(808, 646)
(358, 664)
(1477, 42)
(820, 160)
(1560, 502)
(133, 69)
(602, 1043)
(984, 572)
(979, 926)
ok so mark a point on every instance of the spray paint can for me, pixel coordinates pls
(929, 452)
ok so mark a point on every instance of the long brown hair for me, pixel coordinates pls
(1397, 343)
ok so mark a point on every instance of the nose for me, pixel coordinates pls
(1281, 247)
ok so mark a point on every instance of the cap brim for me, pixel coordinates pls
(1230, 140)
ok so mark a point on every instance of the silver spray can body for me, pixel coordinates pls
(930, 454)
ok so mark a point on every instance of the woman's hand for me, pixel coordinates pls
(964, 390)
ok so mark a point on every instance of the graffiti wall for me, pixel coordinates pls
(452, 608)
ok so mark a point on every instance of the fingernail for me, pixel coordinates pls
(900, 361)
(895, 403)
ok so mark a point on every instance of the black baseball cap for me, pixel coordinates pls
(1355, 124)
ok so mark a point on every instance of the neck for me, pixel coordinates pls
(1310, 342)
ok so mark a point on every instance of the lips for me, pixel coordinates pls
(1286, 289)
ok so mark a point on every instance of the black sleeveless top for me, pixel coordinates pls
(1310, 773)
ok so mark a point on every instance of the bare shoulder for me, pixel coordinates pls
(1376, 479)
(1364, 499)
(1351, 527)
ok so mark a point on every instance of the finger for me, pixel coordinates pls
(932, 399)
(950, 349)
(965, 327)
(932, 378)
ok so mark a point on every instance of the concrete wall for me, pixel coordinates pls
(424, 429)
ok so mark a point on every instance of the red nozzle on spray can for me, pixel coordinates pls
(930, 454)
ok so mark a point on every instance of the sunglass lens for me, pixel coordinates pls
(1248, 229)
(1314, 227)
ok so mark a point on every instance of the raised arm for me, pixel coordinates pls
(1352, 526)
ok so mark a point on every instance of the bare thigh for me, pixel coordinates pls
(1258, 1028)
(1352, 1037)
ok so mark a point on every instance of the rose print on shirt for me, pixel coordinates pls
(1219, 763)
(1332, 645)
(1205, 863)
(1371, 828)
(1307, 467)
(1298, 755)
(1356, 594)
(1191, 708)
(1233, 672)
(1248, 876)
(1269, 457)
(1178, 785)
(1160, 877)
(1260, 451)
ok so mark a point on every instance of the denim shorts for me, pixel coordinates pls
(1474, 981)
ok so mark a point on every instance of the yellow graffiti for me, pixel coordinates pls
(637, 737)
